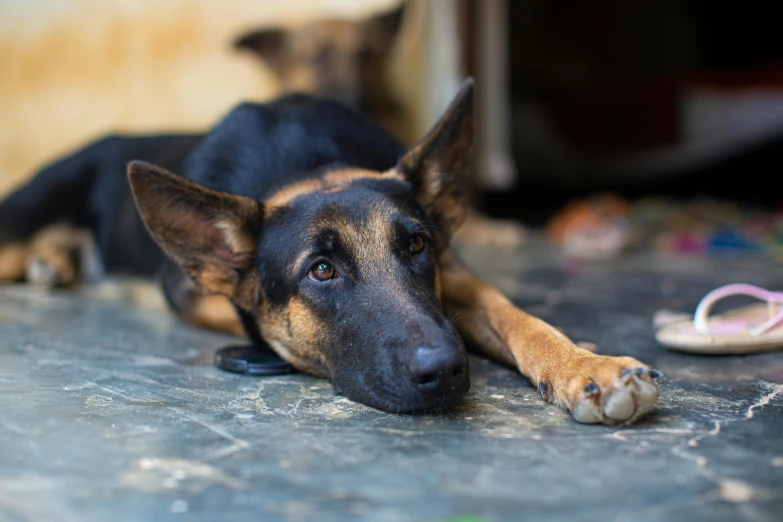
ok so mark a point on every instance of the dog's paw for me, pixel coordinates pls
(61, 256)
(40, 272)
(602, 389)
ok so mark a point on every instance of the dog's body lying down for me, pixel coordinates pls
(317, 223)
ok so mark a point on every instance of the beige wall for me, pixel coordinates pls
(72, 70)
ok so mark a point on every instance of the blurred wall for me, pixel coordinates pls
(75, 69)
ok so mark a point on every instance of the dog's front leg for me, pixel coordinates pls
(592, 387)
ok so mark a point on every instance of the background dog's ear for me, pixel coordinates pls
(439, 165)
(267, 44)
(387, 23)
(211, 234)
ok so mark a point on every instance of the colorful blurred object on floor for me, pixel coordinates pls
(596, 228)
(605, 226)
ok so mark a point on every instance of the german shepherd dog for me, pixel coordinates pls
(314, 221)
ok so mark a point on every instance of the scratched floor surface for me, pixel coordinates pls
(111, 410)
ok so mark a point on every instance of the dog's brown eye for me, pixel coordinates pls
(322, 271)
(416, 244)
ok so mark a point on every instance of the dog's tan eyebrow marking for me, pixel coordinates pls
(332, 181)
(334, 224)
(285, 195)
(341, 178)
(370, 241)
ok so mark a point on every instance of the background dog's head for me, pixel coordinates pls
(340, 269)
(341, 59)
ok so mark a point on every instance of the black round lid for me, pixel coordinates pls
(250, 360)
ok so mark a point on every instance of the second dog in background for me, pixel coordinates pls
(349, 61)
(344, 60)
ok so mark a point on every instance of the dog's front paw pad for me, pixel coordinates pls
(585, 411)
(611, 390)
(619, 405)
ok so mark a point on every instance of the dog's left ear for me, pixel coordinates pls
(212, 235)
(439, 165)
(267, 44)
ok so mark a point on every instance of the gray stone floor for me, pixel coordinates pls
(111, 410)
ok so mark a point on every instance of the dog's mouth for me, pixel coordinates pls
(398, 396)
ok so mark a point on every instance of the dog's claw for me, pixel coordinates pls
(655, 373)
(625, 373)
(641, 370)
(542, 389)
(591, 388)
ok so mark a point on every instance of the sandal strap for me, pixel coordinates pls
(701, 316)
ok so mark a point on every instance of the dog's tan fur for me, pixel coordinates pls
(300, 339)
(332, 181)
(214, 312)
(13, 257)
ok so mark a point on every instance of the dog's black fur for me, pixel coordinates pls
(381, 333)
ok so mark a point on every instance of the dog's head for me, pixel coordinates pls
(341, 59)
(340, 270)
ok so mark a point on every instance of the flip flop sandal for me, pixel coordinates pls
(750, 329)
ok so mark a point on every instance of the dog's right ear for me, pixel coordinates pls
(211, 234)
(267, 44)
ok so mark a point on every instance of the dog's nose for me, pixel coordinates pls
(438, 368)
